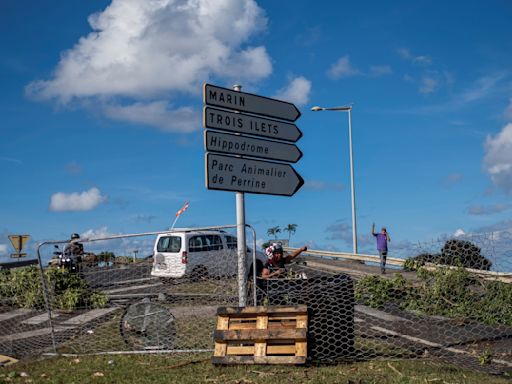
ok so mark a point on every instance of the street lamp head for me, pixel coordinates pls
(343, 108)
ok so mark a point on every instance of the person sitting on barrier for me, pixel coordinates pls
(275, 265)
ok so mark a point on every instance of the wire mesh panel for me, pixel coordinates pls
(167, 299)
(458, 311)
(101, 300)
(24, 317)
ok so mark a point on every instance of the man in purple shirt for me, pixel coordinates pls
(382, 246)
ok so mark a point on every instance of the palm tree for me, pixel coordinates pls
(290, 228)
(274, 231)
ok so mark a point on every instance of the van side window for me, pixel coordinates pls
(231, 242)
(197, 244)
(214, 242)
(169, 244)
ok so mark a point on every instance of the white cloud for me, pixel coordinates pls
(11, 160)
(459, 232)
(157, 114)
(3, 249)
(406, 54)
(296, 92)
(342, 68)
(318, 185)
(483, 87)
(146, 51)
(121, 246)
(423, 60)
(452, 179)
(84, 201)
(380, 70)
(428, 84)
(508, 111)
(97, 233)
(478, 209)
(498, 158)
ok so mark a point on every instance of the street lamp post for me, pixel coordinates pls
(348, 109)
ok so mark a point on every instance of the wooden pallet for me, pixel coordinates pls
(261, 335)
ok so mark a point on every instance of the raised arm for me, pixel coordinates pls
(373, 229)
(295, 253)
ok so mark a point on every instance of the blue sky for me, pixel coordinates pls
(101, 103)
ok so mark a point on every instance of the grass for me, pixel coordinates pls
(146, 369)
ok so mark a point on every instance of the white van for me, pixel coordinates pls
(189, 252)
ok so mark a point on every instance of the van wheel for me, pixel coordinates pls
(199, 273)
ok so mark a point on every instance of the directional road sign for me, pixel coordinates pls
(248, 102)
(249, 146)
(253, 176)
(253, 125)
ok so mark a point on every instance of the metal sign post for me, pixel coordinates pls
(240, 242)
(237, 169)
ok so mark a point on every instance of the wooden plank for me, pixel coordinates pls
(240, 350)
(260, 334)
(288, 360)
(301, 347)
(302, 321)
(288, 325)
(260, 347)
(281, 349)
(221, 347)
(237, 325)
(261, 310)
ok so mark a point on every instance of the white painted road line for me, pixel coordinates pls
(12, 314)
(89, 316)
(378, 314)
(35, 333)
(122, 282)
(136, 287)
(39, 319)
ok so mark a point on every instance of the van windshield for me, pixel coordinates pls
(169, 244)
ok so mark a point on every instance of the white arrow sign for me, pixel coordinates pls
(249, 146)
(253, 176)
(254, 125)
(248, 102)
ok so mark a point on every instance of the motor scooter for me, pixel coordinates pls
(64, 259)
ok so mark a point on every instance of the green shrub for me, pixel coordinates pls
(444, 292)
(22, 288)
(447, 292)
(376, 291)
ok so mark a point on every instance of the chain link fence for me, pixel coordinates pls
(167, 302)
